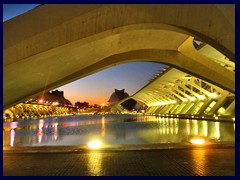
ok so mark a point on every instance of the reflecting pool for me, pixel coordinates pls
(112, 129)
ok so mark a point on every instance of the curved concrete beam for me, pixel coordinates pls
(53, 25)
(38, 60)
(51, 69)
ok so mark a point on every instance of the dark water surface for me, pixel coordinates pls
(112, 129)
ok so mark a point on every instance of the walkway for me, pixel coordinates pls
(207, 161)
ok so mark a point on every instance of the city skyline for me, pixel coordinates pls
(97, 88)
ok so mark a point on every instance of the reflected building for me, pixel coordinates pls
(167, 130)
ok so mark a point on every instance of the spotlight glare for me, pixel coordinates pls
(197, 141)
(94, 144)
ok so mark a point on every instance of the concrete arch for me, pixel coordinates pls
(59, 52)
(54, 25)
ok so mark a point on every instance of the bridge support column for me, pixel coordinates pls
(204, 106)
(215, 108)
(179, 108)
(186, 108)
(230, 110)
(193, 108)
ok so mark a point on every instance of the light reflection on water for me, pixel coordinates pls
(112, 129)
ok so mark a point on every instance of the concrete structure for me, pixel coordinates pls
(53, 45)
(51, 98)
(22, 110)
(117, 95)
(150, 160)
(175, 92)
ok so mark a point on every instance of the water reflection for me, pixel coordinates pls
(176, 125)
(195, 127)
(205, 128)
(12, 136)
(126, 130)
(217, 130)
(103, 132)
(188, 126)
(55, 132)
(13, 126)
(40, 133)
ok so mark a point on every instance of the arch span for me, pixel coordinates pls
(58, 52)
(53, 25)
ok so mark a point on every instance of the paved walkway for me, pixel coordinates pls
(199, 161)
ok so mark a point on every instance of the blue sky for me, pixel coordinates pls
(98, 87)
(12, 10)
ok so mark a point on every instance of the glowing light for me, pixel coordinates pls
(165, 103)
(55, 103)
(201, 97)
(213, 95)
(14, 125)
(12, 137)
(197, 141)
(192, 98)
(40, 133)
(94, 144)
(40, 123)
(233, 119)
(184, 99)
(40, 101)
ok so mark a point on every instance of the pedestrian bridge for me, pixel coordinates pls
(54, 44)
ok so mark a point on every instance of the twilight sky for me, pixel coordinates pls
(97, 88)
